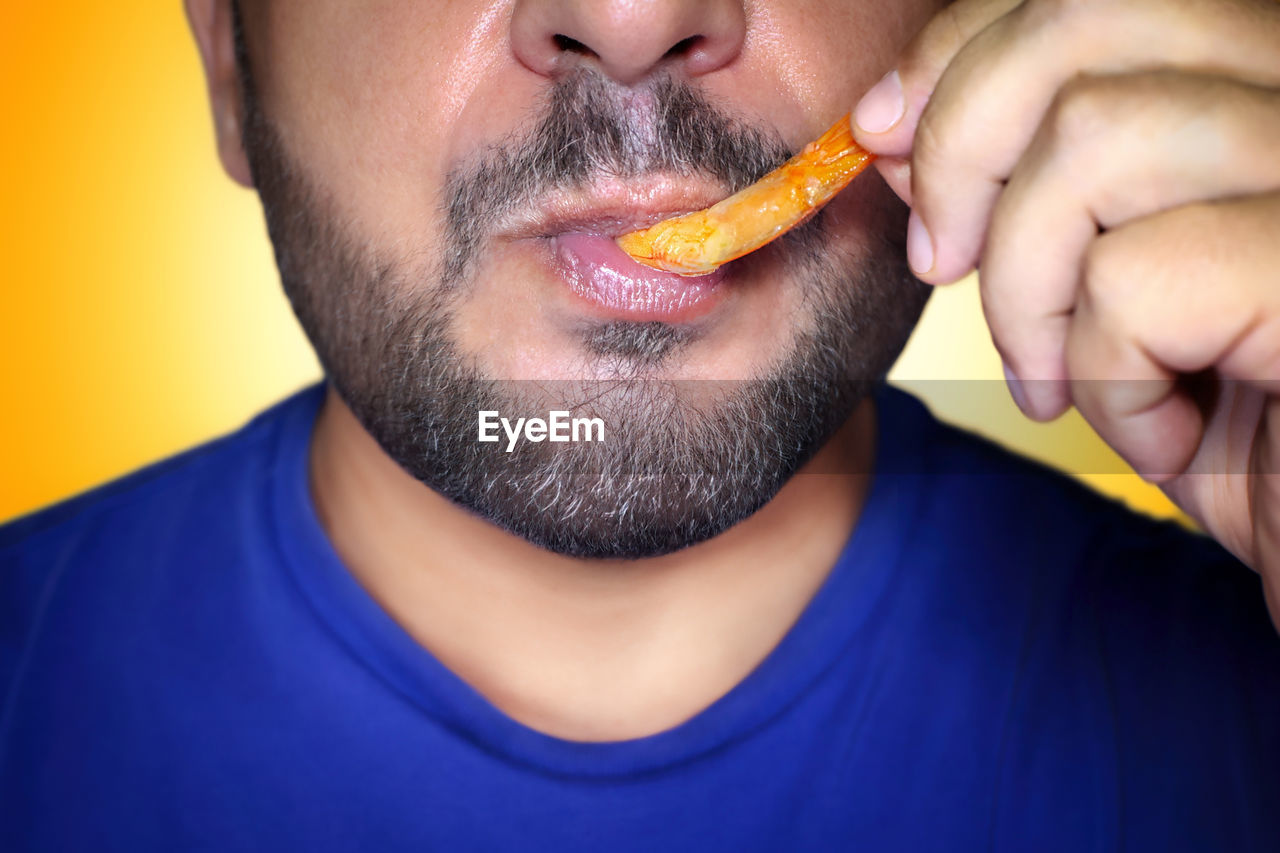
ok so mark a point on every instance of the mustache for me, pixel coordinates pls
(592, 128)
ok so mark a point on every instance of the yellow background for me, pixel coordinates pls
(141, 312)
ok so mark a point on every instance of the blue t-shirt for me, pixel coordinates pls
(1000, 660)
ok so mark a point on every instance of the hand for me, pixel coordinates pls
(1113, 169)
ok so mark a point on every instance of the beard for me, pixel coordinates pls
(681, 460)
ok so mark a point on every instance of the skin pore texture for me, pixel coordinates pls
(415, 162)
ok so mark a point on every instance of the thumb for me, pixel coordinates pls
(885, 120)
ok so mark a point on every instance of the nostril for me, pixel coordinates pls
(627, 40)
(568, 44)
(571, 45)
(683, 46)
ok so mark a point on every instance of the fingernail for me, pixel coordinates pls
(1016, 391)
(919, 245)
(883, 105)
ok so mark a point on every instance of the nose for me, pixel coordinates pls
(628, 39)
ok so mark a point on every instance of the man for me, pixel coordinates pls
(760, 602)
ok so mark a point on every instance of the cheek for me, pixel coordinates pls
(373, 101)
(824, 54)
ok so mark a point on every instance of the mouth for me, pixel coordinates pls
(576, 231)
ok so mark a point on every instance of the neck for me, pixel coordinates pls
(586, 650)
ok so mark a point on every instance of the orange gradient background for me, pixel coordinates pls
(141, 312)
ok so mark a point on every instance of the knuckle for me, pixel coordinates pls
(943, 36)
(1199, 240)
(930, 143)
(951, 29)
(1086, 17)
(1085, 109)
(935, 153)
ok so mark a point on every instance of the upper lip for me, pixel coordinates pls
(611, 208)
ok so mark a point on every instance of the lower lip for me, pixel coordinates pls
(601, 273)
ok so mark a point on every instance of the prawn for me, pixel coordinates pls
(699, 242)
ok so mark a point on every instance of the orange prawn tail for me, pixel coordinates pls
(701, 241)
(830, 162)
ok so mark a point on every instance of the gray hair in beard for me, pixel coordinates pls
(681, 461)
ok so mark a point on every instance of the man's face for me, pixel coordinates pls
(441, 180)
